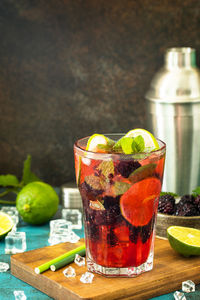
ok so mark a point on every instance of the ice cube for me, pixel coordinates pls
(69, 272)
(10, 210)
(179, 296)
(74, 238)
(59, 235)
(79, 260)
(15, 242)
(4, 267)
(74, 216)
(188, 286)
(59, 223)
(87, 277)
(19, 295)
(62, 235)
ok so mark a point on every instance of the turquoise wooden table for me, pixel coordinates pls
(37, 237)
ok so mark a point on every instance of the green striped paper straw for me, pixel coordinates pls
(46, 266)
(65, 261)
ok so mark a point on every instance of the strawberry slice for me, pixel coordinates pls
(138, 203)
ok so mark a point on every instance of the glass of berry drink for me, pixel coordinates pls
(120, 195)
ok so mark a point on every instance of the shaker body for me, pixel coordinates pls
(178, 124)
(173, 115)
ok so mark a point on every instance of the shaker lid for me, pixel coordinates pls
(179, 80)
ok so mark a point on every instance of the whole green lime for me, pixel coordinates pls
(37, 202)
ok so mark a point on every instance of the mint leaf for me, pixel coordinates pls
(127, 145)
(94, 182)
(121, 187)
(8, 180)
(28, 176)
(106, 167)
(196, 192)
(139, 140)
(168, 193)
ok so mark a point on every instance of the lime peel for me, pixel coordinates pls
(184, 240)
(6, 224)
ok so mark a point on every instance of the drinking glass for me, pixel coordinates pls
(120, 195)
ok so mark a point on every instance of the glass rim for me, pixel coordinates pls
(106, 155)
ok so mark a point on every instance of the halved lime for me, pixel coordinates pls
(98, 143)
(184, 240)
(6, 224)
(150, 141)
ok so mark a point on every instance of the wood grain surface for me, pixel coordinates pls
(170, 269)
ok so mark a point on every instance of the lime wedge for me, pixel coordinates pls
(184, 240)
(6, 224)
(95, 140)
(150, 141)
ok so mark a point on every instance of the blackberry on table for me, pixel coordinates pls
(125, 168)
(166, 204)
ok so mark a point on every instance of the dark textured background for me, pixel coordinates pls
(69, 68)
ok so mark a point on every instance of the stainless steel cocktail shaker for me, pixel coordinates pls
(173, 115)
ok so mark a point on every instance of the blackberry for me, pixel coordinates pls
(166, 204)
(146, 230)
(187, 198)
(197, 202)
(125, 168)
(110, 201)
(186, 209)
(134, 233)
(93, 231)
(111, 238)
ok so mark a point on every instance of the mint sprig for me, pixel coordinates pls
(196, 192)
(11, 184)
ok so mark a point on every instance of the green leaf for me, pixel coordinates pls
(106, 167)
(168, 193)
(196, 192)
(121, 187)
(127, 145)
(8, 180)
(28, 176)
(140, 144)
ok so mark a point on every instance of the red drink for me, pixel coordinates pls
(120, 198)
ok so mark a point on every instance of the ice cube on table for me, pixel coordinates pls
(79, 260)
(69, 272)
(62, 235)
(15, 242)
(87, 277)
(74, 216)
(19, 295)
(9, 209)
(179, 296)
(59, 223)
(188, 286)
(4, 267)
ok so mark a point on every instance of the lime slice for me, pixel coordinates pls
(95, 140)
(6, 224)
(150, 141)
(184, 240)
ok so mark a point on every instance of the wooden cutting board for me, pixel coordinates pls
(170, 269)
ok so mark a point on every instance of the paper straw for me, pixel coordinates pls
(47, 265)
(66, 261)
